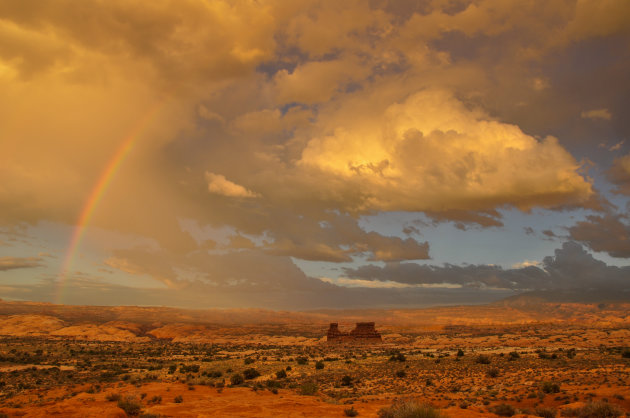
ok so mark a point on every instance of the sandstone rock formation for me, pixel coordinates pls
(364, 332)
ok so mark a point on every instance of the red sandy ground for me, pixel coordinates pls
(230, 402)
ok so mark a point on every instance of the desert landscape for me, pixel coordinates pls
(491, 360)
(315, 208)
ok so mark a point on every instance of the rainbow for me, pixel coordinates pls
(97, 193)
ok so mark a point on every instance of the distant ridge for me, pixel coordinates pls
(537, 297)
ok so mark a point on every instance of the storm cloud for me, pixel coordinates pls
(571, 267)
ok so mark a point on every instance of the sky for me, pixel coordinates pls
(312, 154)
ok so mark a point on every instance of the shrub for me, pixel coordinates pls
(625, 353)
(493, 372)
(482, 359)
(130, 405)
(273, 384)
(550, 387)
(503, 410)
(346, 381)
(460, 353)
(215, 374)
(405, 408)
(594, 410)
(401, 373)
(319, 365)
(156, 399)
(398, 357)
(513, 355)
(351, 412)
(192, 368)
(178, 399)
(113, 397)
(301, 360)
(546, 412)
(308, 388)
(281, 374)
(250, 373)
(237, 379)
(248, 360)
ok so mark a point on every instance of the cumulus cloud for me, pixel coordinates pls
(317, 81)
(218, 184)
(11, 263)
(596, 114)
(430, 153)
(606, 233)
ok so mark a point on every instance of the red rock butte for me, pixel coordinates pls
(364, 332)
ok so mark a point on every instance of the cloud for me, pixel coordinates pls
(337, 238)
(287, 121)
(11, 263)
(604, 233)
(218, 184)
(619, 174)
(571, 267)
(344, 281)
(525, 263)
(172, 37)
(617, 146)
(317, 81)
(596, 114)
(238, 241)
(92, 291)
(431, 153)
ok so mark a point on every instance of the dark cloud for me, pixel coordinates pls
(11, 263)
(336, 238)
(245, 270)
(83, 291)
(619, 174)
(463, 219)
(571, 267)
(604, 233)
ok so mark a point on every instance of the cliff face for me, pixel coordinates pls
(364, 332)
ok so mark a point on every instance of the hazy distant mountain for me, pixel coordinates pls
(566, 296)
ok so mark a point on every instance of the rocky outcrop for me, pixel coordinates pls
(364, 332)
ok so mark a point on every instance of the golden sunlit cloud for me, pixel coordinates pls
(218, 184)
(596, 114)
(431, 153)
